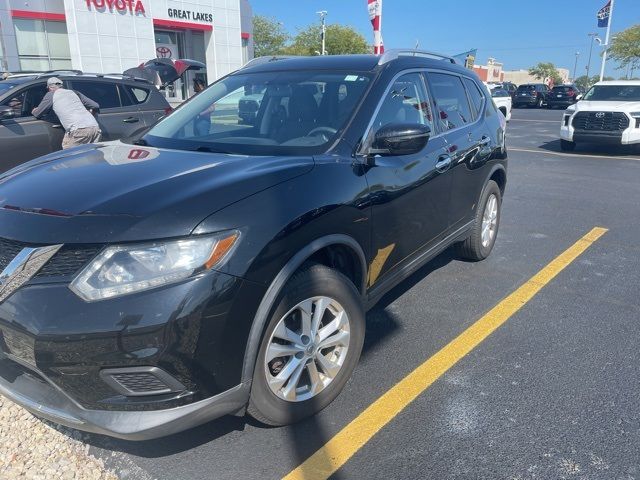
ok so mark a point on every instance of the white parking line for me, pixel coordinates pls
(562, 154)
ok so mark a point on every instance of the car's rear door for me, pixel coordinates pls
(410, 193)
(147, 99)
(118, 116)
(25, 137)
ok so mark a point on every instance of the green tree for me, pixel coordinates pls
(339, 39)
(543, 70)
(583, 83)
(269, 36)
(625, 47)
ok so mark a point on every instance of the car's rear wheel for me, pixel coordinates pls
(310, 347)
(567, 146)
(483, 236)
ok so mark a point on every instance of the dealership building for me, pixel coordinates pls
(110, 36)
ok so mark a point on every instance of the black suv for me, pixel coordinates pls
(531, 95)
(563, 96)
(214, 267)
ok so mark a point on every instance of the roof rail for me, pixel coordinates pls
(50, 73)
(120, 75)
(392, 54)
(265, 59)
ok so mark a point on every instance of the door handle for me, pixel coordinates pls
(131, 120)
(443, 163)
(56, 126)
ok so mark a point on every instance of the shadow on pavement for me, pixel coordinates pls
(593, 149)
(305, 437)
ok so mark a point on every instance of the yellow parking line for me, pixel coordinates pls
(335, 453)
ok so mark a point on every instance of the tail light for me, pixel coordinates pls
(168, 110)
(571, 93)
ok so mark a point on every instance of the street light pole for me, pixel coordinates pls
(575, 65)
(593, 37)
(323, 13)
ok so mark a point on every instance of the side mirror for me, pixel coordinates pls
(400, 139)
(579, 97)
(6, 113)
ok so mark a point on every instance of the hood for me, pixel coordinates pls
(163, 71)
(616, 106)
(118, 192)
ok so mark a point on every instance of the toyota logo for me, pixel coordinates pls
(163, 52)
(599, 114)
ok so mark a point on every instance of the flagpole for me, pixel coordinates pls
(606, 41)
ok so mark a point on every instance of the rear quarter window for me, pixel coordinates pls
(133, 95)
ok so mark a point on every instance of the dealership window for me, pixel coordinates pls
(42, 45)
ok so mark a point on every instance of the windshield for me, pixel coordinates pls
(498, 92)
(608, 93)
(272, 113)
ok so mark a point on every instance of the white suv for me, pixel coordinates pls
(609, 113)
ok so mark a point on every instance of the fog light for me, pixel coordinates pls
(141, 381)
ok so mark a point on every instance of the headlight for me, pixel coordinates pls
(120, 270)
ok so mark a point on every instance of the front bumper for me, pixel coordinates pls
(630, 136)
(45, 400)
(55, 349)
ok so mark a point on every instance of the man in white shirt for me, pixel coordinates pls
(71, 108)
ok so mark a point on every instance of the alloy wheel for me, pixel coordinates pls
(489, 220)
(307, 349)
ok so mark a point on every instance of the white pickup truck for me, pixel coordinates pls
(609, 113)
(501, 98)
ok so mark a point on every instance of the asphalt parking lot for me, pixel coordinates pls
(553, 392)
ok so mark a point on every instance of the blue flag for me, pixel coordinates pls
(603, 15)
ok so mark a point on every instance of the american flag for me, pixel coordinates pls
(375, 15)
(603, 15)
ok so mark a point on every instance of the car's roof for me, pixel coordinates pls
(22, 79)
(619, 82)
(353, 63)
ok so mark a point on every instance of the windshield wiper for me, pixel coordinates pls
(206, 148)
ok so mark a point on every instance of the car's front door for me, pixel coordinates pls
(118, 117)
(25, 137)
(409, 193)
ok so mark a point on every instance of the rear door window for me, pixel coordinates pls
(132, 95)
(452, 105)
(477, 97)
(104, 93)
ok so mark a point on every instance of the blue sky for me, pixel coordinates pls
(518, 33)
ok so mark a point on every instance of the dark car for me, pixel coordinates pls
(563, 96)
(203, 270)
(126, 105)
(127, 102)
(530, 95)
(508, 86)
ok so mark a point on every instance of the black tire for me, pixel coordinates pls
(567, 146)
(311, 281)
(472, 248)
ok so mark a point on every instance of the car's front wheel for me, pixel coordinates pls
(310, 347)
(483, 236)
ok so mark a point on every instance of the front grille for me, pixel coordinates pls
(69, 260)
(595, 121)
(8, 251)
